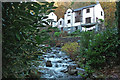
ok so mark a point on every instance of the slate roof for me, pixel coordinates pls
(84, 7)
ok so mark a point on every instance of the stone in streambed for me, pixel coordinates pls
(72, 70)
(48, 64)
(64, 70)
(59, 61)
(56, 65)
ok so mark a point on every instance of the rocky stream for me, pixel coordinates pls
(57, 65)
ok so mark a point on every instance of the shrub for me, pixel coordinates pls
(76, 33)
(86, 37)
(71, 48)
(57, 34)
(102, 50)
(101, 20)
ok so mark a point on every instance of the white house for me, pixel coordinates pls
(52, 19)
(61, 24)
(84, 18)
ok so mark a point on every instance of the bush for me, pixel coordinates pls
(86, 37)
(76, 33)
(101, 20)
(71, 48)
(101, 50)
(57, 34)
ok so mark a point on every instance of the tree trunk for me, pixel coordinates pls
(118, 23)
(118, 16)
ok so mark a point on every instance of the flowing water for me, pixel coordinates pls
(60, 62)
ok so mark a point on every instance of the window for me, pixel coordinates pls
(69, 12)
(78, 16)
(68, 21)
(87, 10)
(60, 22)
(69, 28)
(78, 19)
(88, 20)
(79, 12)
(96, 18)
(101, 13)
(76, 28)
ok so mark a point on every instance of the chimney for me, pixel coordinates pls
(97, 2)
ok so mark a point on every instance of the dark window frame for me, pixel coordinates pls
(78, 16)
(88, 20)
(101, 13)
(88, 10)
(76, 27)
(68, 21)
(60, 22)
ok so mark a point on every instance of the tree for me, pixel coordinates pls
(21, 22)
(118, 16)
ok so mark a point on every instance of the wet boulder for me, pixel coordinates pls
(48, 64)
(71, 67)
(59, 61)
(65, 58)
(56, 65)
(64, 70)
(72, 70)
(52, 56)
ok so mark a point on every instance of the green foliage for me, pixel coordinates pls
(101, 20)
(55, 29)
(57, 34)
(99, 50)
(86, 37)
(21, 34)
(42, 37)
(71, 48)
(76, 33)
(102, 49)
(118, 16)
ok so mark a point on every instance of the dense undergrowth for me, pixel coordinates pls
(97, 50)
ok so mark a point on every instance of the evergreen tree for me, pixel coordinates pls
(21, 24)
(118, 16)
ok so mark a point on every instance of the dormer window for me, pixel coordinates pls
(88, 10)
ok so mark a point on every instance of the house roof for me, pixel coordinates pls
(84, 7)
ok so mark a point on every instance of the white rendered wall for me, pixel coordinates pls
(54, 24)
(75, 23)
(60, 25)
(98, 10)
(68, 16)
(52, 16)
(86, 15)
